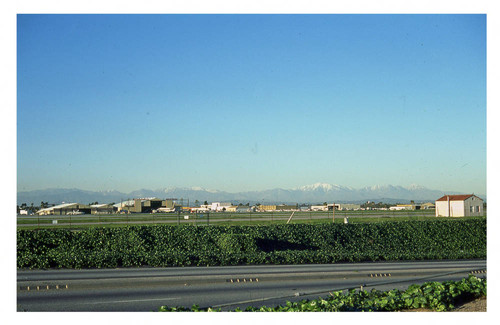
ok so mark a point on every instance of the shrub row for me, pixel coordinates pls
(232, 245)
(431, 295)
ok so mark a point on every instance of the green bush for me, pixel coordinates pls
(235, 243)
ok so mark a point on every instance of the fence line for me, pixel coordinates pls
(200, 219)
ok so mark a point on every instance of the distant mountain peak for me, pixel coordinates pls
(192, 188)
(416, 187)
(314, 193)
(198, 188)
(316, 186)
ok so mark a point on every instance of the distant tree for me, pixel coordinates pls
(196, 203)
(376, 205)
(205, 203)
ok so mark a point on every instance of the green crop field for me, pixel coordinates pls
(298, 243)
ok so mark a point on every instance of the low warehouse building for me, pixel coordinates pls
(65, 209)
(345, 206)
(287, 207)
(405, 207)
(319, 208)
(263, 207)
(428, 205)
(147, 205)
(463, 205)
(102, 209)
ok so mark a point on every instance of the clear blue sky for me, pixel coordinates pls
(251, 102)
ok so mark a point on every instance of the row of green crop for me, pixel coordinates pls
(431, 295)
(232, 245)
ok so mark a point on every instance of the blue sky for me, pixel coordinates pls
(251, 102)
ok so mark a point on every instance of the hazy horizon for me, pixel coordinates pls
(251, 102)
(318, 184)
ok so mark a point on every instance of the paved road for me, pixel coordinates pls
(145, 289)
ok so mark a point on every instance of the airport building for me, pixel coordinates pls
(102, 209)
(65, 209)
(281, 207)
(147, 205)
(345, 206)
(413, 206)
(338, 206)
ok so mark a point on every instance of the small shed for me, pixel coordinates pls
(463, 205)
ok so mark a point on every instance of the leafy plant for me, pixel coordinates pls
(431, 295)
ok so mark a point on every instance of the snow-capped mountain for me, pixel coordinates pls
(315, 193)
(322, 187)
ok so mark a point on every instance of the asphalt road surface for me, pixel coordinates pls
(146, 289)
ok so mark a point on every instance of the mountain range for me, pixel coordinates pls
(315, 193)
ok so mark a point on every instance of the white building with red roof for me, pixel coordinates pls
(462, 205)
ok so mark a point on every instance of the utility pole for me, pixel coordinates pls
(333, 213)
(449, 210)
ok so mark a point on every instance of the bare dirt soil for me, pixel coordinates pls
(475, 305)
(478, 305)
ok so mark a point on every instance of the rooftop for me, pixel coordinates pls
(459, 197)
